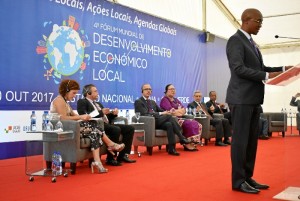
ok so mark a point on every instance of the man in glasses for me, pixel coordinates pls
(163, 119)
(222, 125)
(245, 94)
(89, 104)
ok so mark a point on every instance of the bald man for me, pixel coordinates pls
(245, 94)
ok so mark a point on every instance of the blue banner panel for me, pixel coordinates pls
(19, 149)
(114, 47)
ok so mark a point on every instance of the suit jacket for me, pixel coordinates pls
(84, 106)
(247, 71)
(217, 108)
(295, 102)
(204, 108)
(140, 105)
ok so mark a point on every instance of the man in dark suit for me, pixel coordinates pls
(245, 94)
(163, 119)
(88, 104)
(217, 108)
(222, 125)
(295, 102)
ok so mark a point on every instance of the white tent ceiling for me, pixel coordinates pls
(222, 17)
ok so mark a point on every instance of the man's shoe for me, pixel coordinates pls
(256, 185)
(113, 162)
(185, 141)
(220, 143)
(246, 188)
(126, 159)
(227, 142)
(173, 152)
(263, 137)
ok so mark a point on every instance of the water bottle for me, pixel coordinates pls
(33, 121)
(44, 118)
(189, 110)
(49, 126)
(59, 164)
(54, 163)
(282, 110)
(128, 116)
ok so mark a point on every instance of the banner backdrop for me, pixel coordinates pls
(116, 48)
(113, 47)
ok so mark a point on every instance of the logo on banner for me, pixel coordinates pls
(63, 50)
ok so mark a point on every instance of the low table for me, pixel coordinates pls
(138, 137)
(34, 164)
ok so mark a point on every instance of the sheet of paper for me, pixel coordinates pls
(94, 113)
(286, 77)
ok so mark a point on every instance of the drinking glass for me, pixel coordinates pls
(54, 116)
(194, 112)
(137, 116)
(59, 126)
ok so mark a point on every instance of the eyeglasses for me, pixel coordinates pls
(257, 21)
(172, 89)
(148, 89)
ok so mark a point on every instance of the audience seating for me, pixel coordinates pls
(277, 122)
(153, 137)
(208, 131)
(75, 150)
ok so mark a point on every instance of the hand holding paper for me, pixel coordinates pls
(285, 78)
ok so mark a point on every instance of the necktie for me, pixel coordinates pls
(149, 105)
(105, 119)
(254, 46)
(218, 105)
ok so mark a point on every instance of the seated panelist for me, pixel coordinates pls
(222, 125)
(191, 128)
(163, 119)
(88, 104)
(88, 129)
(215, 107)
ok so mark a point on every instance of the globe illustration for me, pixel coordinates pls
(65, 50)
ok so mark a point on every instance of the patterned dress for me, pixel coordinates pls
(88, 129)
(190, 128)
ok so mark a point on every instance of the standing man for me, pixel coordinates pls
(295, 102)
(245, 94)
(88, 104)
(163, 119)
(222, 125)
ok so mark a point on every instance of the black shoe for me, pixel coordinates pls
(126, 159)
(220, 143)
(246, 188)
(173, 152)
(256, 185)
(113, 162)
(185, 141)
(227, 142)
(263, 137)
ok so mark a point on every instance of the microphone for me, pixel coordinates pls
(276, 36)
